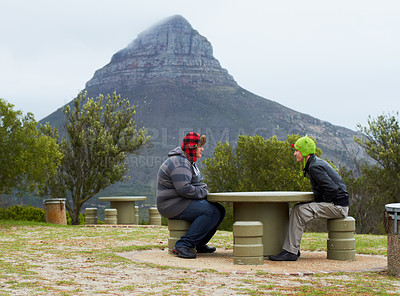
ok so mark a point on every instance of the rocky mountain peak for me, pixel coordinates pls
(170, 51)
(176, 85)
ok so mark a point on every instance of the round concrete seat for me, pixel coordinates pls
(136, 218)
(341, 244)
(154, 216)
(91, 216)
(248, 248)
(110, 216)
(177, 228)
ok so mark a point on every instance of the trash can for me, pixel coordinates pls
(55, 212)
(392, 227)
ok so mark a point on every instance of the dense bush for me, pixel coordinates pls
(81, 219)
(22, 213)
(29, 213)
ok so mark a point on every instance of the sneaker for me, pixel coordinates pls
(284, 256)
(205, 249)
(183, 252)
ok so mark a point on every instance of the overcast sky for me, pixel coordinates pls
(338, 61)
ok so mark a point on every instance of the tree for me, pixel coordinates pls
(366, 200)
(381, 141)
(97, 138)
(28, 158)
(256, 164)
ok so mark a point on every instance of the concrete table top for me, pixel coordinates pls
(122, 198)
(269, 207)
(262, 196)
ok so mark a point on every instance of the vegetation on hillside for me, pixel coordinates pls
(98, 137)
(378, 183)
(259, 164)
(28, 157)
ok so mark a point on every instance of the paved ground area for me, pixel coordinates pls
(222, 261)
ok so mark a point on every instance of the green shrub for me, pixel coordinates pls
(81, 219)
(22, 213)
(29, 213)
(227, 223)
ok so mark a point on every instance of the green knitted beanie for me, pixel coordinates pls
(305, 145)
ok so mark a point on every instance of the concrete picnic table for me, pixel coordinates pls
(125, 206)
(269, 207)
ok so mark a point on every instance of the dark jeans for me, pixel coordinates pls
(205, 217)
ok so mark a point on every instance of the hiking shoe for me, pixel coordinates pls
(284, 256)
(183, 252)
(205, 249)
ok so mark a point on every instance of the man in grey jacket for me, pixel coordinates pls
(182, 195)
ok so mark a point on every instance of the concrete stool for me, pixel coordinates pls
(341, 244)
(110, 216)
(177, 228)
(248, 248)
(91, 216)
(154, 216)
(136, 218)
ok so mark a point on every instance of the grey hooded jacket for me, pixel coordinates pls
(178, 182)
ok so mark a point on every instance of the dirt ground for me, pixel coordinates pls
(84, 261)
(222, 261)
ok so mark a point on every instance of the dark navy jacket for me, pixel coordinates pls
(326, 183)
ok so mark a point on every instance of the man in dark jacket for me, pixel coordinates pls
(181, 194)
(331, 198)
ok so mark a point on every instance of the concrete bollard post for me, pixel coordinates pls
(248, 248)
(341, 244)
(91, 216)
(110, 216)
(154, 216)
(177, 228)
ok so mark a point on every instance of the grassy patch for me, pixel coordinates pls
(30, 247)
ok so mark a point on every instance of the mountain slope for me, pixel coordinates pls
(169, 73)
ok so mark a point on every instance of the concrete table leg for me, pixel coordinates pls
(125, 211)
(275, 219)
